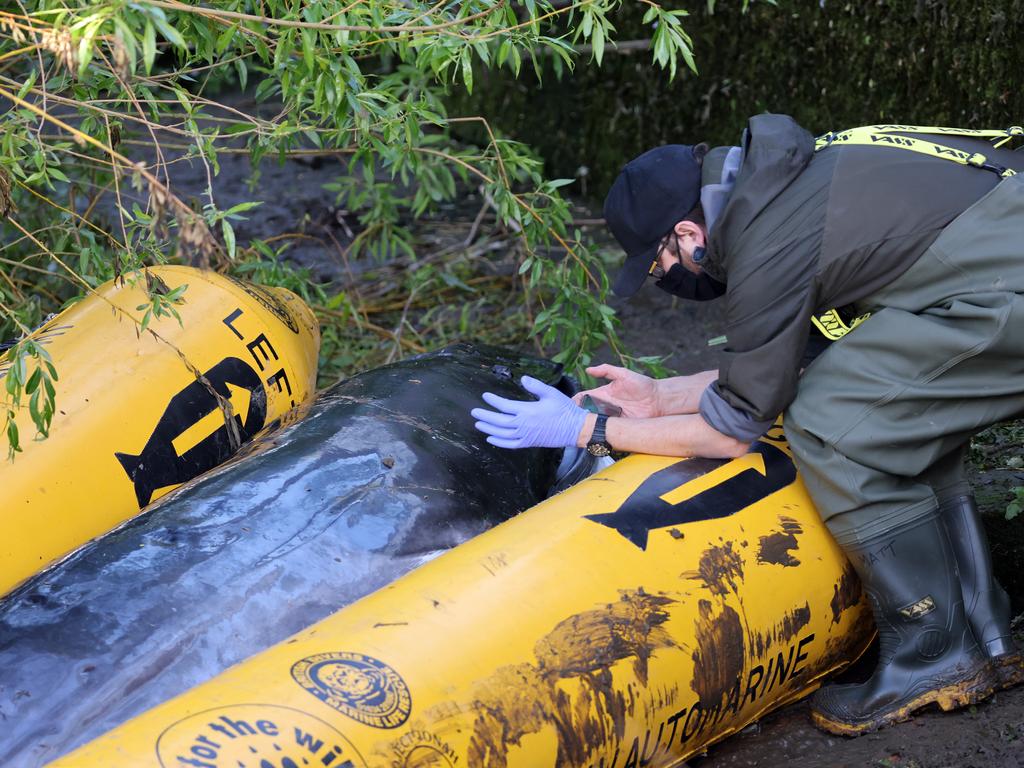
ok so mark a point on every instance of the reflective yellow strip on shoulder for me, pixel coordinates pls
(938, 130)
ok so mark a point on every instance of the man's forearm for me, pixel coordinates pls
(679, 435)
(681, 394)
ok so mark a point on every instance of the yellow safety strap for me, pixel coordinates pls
(830, 323)
(833, 326)
(892, 136)
(993, 133)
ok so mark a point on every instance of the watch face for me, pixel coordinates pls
(598, 449)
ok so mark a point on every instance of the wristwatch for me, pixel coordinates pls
(598, 445)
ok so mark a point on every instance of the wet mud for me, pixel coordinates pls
(522, 699)
(777, 547)
(783, 633)
(720, 568)
(840, 651)
(718, 657)
(847, 592)
(989, 735)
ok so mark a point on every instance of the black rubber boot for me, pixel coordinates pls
(927, 652)
(985, 602)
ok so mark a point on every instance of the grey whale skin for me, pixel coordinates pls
(383, 472)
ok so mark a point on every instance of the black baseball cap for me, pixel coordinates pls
(652, 193)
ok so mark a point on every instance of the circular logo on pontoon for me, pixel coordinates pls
(254, 736)
(362, 687)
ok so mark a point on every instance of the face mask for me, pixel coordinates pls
(679, 281)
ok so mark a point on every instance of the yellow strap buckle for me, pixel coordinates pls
(1013, 130)
(977, 159)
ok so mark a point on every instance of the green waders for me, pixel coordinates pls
(940, 358)
(877, 427)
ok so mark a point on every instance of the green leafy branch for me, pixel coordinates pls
(107, 96)
(28, 371)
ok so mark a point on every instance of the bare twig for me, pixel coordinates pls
(473, 230)
(400, 325)
(197, 231)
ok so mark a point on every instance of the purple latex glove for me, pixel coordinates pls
(551, 421)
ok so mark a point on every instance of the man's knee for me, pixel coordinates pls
(852, 496)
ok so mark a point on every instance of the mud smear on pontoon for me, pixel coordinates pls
(522, 699)
(776, 547)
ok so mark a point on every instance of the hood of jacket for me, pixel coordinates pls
(775, 151)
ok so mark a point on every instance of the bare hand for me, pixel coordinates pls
(634, 393)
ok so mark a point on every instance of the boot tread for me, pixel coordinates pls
(978, 685)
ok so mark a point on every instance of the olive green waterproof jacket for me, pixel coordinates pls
(806, 231)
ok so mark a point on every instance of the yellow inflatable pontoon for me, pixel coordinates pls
(140, 413)
(632, 620)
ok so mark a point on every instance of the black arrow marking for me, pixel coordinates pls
(159, 464)
(645, 510)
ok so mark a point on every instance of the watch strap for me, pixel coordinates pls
(598, 445)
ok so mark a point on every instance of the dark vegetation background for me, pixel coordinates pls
(829, 64)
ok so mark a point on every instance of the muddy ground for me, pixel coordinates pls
(991, 734)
